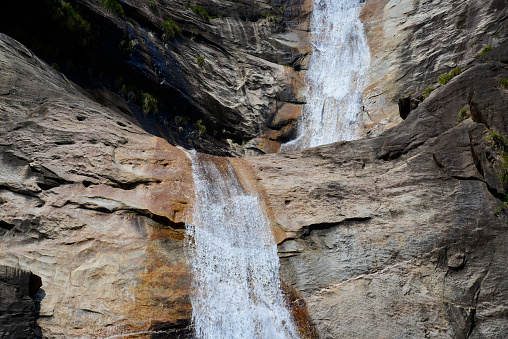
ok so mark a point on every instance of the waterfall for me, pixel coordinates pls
(233, 258)
(335, 77)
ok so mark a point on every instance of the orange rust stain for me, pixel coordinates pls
(372, 17)
(299, 312)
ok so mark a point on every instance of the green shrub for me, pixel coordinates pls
(112, 6)
(151, 4)
(73, 19)
(200, 60)
(170, 29)
(149, 103)
(444, 79)
(201, 11)
(200, 127)
(425, 94)
(463, 114)
(500, 143)
(503, 83)
(485, 50)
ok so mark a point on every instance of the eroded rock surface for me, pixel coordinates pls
(401, 235)
(92, 204)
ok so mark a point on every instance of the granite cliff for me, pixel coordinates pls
(401, 234)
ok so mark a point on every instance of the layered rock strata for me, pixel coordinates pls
(403, 235)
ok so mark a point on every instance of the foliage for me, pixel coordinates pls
(503, 83)
(151, 4)
(73, 19)
(426, 93)
(170, 29)
(500, 143)
(446, 78)
(112, 6)
(200, 127)
(201, 11)
(463, 114)
(200, 60)
(485, 50)
(149, 103)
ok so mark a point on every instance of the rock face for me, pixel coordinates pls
(220, 73)
(17, 310)
(413, 42)
(402, 235)
(92, 204)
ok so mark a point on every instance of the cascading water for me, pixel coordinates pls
(233, 258)
(337, 68)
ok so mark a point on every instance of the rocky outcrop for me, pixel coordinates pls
(17, 310)
(92, 204)
(413, 42)
(218, 70)
(402, 235)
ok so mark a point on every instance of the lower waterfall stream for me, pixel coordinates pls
(233, 258)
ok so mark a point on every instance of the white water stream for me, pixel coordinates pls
(233, 257)
(337, 68)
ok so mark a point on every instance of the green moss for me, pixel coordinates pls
(200, 60)
(170, 29)
(446, 78)
(503, 83)
(485, 50)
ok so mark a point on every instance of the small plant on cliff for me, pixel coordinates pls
(170, 29)
(485, 50)
(426, 93)
(200, 127)
(112, 6)
(500, 143)
(463, 115)
(444, 79)
(149, 103)
(503, 83)
(201, 11)
(200, 60)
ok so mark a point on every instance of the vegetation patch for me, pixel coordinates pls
(503, 83)
(170, 29)
(463, 115)
(446, 78)
(500, 143)
(71, 16)
(201, 11)
(426, 93)
(113, 7)
(147, 101)
(201, 128)
(485, 50)
(200, 60)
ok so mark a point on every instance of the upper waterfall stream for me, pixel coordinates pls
(337, 68)
(233, 258)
